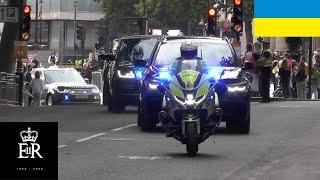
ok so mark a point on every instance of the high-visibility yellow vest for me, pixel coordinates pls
(267, 62)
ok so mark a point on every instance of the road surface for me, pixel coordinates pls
(95, 144)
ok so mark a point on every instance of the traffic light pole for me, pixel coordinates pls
(74, 27)
(19, 67)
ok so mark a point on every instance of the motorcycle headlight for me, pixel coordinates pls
(126, 75)
(190, 100)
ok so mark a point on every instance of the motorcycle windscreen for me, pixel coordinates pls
(188, 72)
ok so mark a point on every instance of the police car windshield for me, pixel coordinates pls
(63, 76)
(136, 49)
(214, 54)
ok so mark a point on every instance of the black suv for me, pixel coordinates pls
(121, 76)
(218, 54)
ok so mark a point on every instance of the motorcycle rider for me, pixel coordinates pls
(188, 52)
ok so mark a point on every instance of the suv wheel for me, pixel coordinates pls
(146, 120)
(116, 105)
(241, 124)
(107, 97)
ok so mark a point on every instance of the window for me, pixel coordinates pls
(136, 49)
(43, 32)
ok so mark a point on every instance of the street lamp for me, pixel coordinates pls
(75, 3)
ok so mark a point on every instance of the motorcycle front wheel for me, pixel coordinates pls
(192, 144)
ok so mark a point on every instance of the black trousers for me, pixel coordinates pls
(265, 83)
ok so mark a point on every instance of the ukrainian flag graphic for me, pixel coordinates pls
(287, 18)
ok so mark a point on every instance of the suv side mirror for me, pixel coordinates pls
(140, 63)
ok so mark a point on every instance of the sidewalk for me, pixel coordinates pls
(275, 99)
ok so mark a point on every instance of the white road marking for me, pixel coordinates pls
(62, 146)
(292, 106)
(118, 139)
(101, 134)
(90, 137)
(124, 127)
(144, 157)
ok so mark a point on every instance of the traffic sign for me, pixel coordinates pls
(9, 14)
(20, 50)
(3, 2)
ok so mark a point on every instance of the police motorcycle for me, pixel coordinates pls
(190, 105)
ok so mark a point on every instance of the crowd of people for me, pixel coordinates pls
(289, 76)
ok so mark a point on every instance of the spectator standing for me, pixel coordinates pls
(28, 79)
(86, 72)
(256, 83)
(275, 74)
(284, 77)
(53, 56)
(53, 63)
(37, 87)
(300, 75)
(315, 78)
(265, 63)
(35, 61)
(290, 63)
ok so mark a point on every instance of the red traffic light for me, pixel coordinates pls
(237, 2)
(27, 10)
(212, 12)
(149, 31)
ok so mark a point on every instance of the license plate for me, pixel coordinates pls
(81, 97)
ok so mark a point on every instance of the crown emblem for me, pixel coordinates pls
(29, 136)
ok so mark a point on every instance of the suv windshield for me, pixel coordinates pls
(214, 54)
(59, 76)
(136, 49)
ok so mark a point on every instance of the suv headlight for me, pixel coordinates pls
(126, 75)
(95, 90)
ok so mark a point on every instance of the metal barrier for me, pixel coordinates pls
(97, 79)
(9, 88)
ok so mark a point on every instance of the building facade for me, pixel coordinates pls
(56, 28)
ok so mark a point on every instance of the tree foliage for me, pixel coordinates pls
(175, 14)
